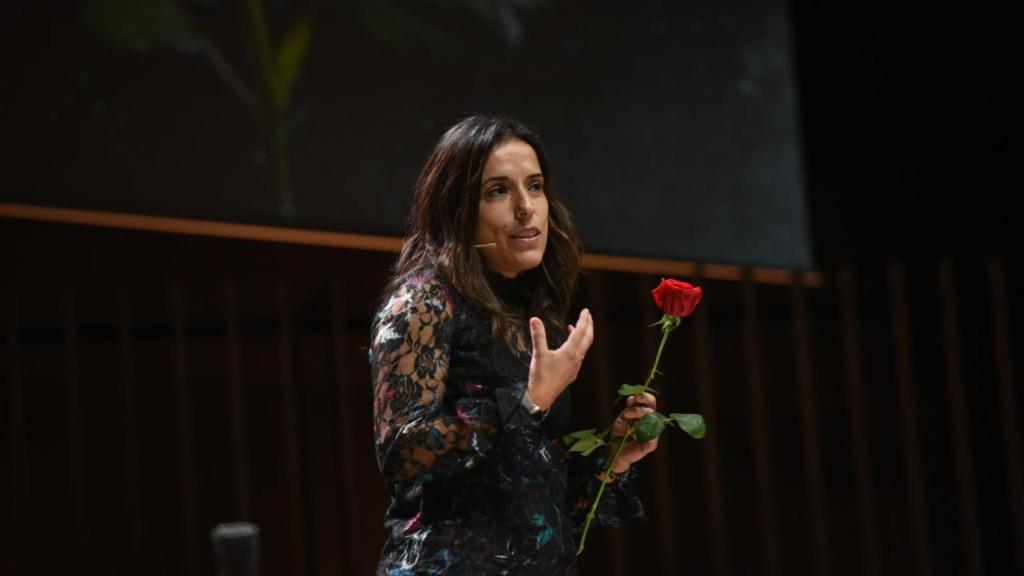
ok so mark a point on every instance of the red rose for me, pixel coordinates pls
(677, 298)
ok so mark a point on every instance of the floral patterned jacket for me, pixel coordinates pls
(478, 485)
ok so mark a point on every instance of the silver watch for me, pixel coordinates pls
(530, 405)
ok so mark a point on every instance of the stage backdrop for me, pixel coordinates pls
(672, 127)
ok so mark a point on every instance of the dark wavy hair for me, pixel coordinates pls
(443, 220)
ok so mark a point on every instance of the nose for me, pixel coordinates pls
(523, 205)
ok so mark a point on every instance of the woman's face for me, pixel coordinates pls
(513, 210)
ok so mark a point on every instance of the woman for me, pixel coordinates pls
(471, 360)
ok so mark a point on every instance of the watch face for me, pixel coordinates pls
(529, 404)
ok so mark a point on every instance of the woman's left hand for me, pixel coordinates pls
(636, 406)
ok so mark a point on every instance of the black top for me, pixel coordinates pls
(478, 485)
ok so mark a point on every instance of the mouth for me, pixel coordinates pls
(526, 233)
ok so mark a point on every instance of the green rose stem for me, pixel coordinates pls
(668, 323)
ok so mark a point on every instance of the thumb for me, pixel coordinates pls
(539, 335)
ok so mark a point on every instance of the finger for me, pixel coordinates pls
(632, 413)
(636, 412)
(574, 334)
(586, 325)
(577, 342)
(645, 399)
(539, 336)
(581, 320)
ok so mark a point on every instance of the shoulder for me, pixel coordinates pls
(422, 298)
(425, 288)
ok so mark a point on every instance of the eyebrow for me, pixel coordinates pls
(531, 176)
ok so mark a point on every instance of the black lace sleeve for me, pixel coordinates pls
(416, 436)
(619, 505)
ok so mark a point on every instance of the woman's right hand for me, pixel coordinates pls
(551, 371)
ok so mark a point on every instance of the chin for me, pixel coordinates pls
(530, 263)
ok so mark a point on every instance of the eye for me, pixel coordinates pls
(496, 191)
(536, 186)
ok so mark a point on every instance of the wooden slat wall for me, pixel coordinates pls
(189, 525)
(236, 406)
(132, 503)
(76, 460)
(858, 419)
(294, 489)
(1008, 402)
(704, 377)
(252, 333)
(959, 411)
(348, 491)
(909, 421)
(20, 533)
(760, 431)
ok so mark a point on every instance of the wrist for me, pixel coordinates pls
(532, 407)
(531, 396)
(610, 476)
(620, 466)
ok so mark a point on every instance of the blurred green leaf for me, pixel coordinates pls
(577, 435)
(692, 424)
(291, 55)
(630, 389)
(650, 426)
(587, 445)
(141, 25)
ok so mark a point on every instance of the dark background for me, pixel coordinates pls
(672, 127)
(736, 132)
(156, 384)
(911, 128)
